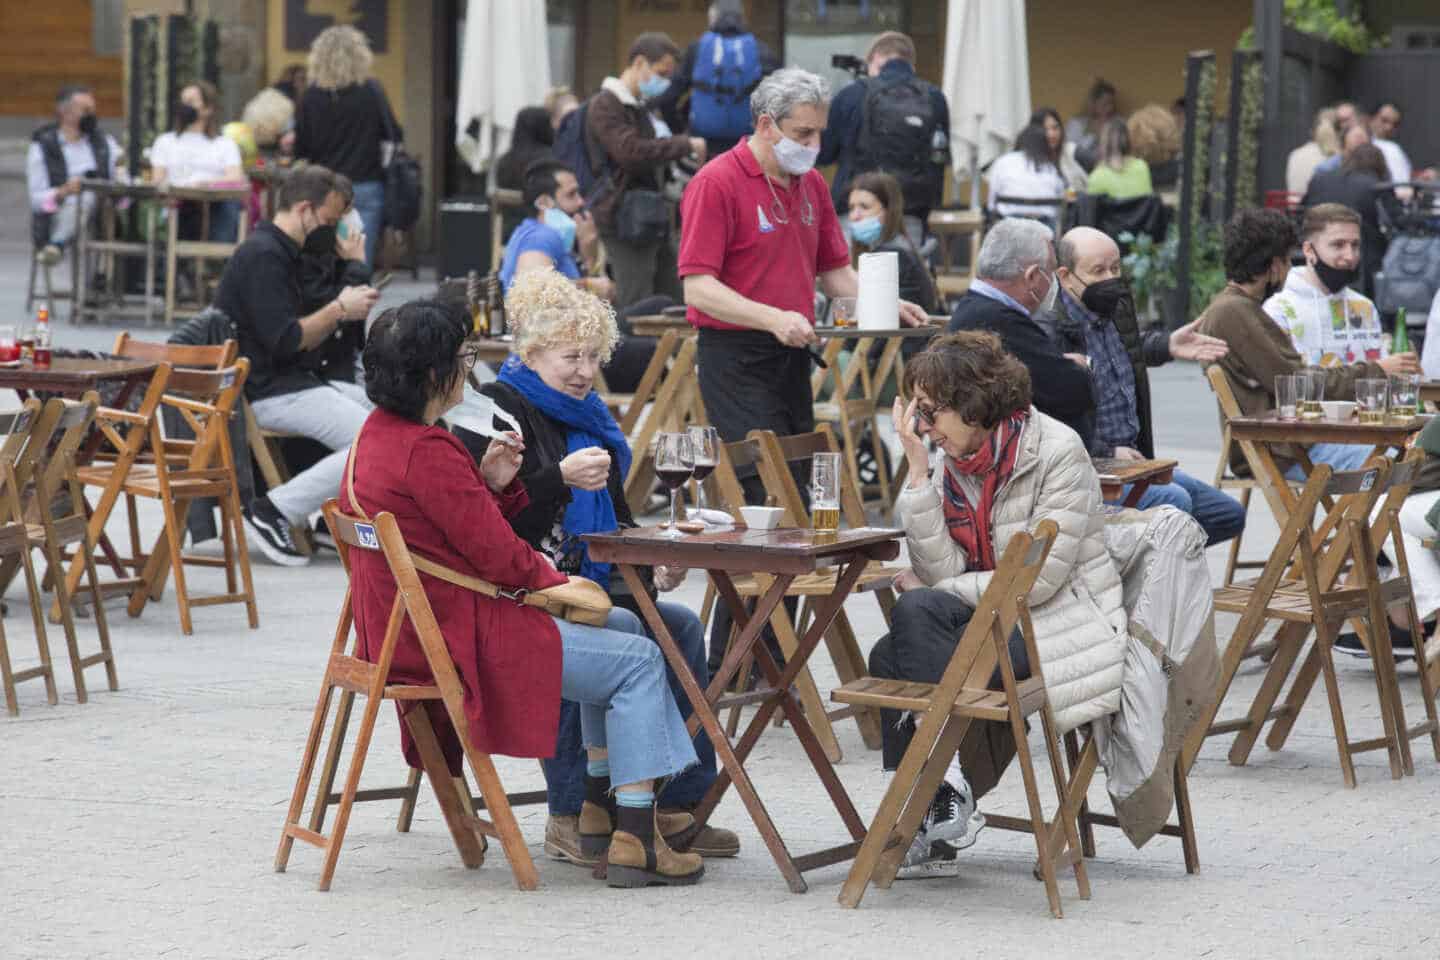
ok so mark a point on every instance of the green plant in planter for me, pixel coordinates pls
(1151, 267)
(1321, 18)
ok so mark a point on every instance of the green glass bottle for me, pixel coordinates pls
(1401, 343)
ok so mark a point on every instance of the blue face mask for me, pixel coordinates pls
(654, 86)
(561, 222)
(867, 231)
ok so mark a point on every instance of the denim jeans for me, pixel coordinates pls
(1220, 516)
(224, 221)
(332, 414)
(618, 682)
(565, 772)
(370, 204)
(1341, 456)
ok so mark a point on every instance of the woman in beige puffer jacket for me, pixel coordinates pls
(1077, 601)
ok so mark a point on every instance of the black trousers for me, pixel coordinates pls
(749, 381)
(925, 628)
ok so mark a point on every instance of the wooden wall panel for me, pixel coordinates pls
(45, 46)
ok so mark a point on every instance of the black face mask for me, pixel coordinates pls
(185, 115)
(321, 240)
(1334, 278)
(87, 124)
(1104, 297)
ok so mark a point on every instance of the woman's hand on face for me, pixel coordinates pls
(502, 462)
(588, 469)
(668, 578)
(916, 455)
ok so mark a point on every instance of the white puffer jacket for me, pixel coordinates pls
(1077, 603)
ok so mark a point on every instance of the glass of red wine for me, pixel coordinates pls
(674, 463)
(705, 445)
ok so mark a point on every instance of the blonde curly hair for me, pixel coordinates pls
(339, 57)
(545, 309)
(1154, 134)
(269, 114)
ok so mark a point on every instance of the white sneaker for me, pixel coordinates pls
(952, 812)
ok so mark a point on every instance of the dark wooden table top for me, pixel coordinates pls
(744, 550)
(72, 375)
(1269, 428)
(1121, 472)
(898, 333)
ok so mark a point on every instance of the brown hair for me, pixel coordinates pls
(1367, 158)
(1320, 216)
(1154, 134)
(892, 43)
(970, 374)
(210, 97)
(887, 190)
(311, 182)
(654, 47)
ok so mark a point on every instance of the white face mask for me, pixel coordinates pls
(794, 158)
(1047, 302)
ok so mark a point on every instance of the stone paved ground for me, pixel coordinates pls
(144, 823)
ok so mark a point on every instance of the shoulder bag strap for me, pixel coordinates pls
(439, 571)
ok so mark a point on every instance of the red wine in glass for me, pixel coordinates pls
(673, 478)
(703, 470)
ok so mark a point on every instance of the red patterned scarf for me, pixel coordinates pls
(995, 460)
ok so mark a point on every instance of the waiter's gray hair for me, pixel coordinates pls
(784, 90)
(1011, 247)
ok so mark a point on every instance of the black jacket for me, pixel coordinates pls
(342, 129)
(1147, 348)
(1060, 387)
(48, 137)
(540, 472)
(323, 274)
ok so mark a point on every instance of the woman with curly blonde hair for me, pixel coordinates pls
(574, 468)
(341, 120)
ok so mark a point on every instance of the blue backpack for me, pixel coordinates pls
(727, 70)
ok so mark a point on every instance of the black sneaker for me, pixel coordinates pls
(952, 816)
(320, 536)
(272, 533)
(1400, 642)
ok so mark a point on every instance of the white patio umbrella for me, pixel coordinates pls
(987, 81)
(504, 66)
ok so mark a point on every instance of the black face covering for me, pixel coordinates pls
(87, 124)
(1103, 297)
(1334, 278)
(321, 240)
(185, 115)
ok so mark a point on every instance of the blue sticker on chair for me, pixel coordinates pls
(365, 533)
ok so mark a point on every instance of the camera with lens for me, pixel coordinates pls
(846, 61)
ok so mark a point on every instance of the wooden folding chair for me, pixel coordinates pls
(947, 710)
(677, 404)
(1225, 478)
(127, 434)
(356, 676)
(851, 402)
(59, 508)
(17, 427)
(627, 409)
(1317, 598)
(179, 471)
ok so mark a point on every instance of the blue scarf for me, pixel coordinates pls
(588, 423)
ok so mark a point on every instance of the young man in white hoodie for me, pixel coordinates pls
(1329, 323)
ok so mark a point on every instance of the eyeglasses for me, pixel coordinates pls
(928, 414)
(468, 358)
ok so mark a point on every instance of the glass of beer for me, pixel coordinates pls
(1372, 397)
(1285, 393)
(1404, 396)
(825, 492)
(842, 312)
(1311, 393)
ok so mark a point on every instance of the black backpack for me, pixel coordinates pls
(572, 148)
(898, 124)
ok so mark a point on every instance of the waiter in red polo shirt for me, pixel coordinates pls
(758, 230)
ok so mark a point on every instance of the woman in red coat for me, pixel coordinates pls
(514, 661)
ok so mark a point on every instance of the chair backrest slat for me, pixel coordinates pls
(212, 356)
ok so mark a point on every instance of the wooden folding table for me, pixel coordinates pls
(784, 555)
(1116, 475)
